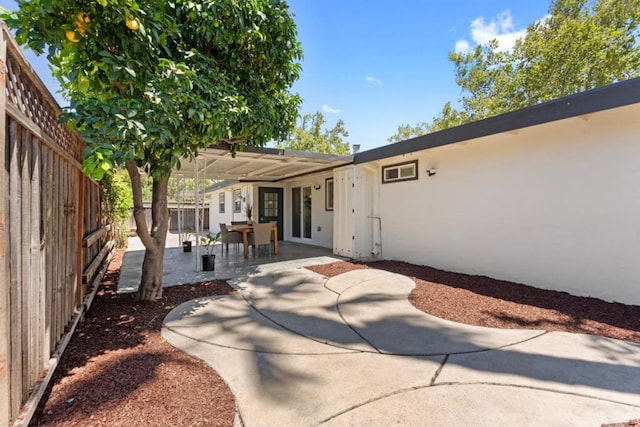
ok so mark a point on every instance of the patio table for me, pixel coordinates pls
(245, 229)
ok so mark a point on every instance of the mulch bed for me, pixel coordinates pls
(483, 301)
(118, 371)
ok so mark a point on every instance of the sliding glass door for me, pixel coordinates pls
(301, 212)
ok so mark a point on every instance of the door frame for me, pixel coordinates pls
(280, 191)
(301, 211)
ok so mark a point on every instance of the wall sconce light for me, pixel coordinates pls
(316, 187)
(244, 199)
(431, 171)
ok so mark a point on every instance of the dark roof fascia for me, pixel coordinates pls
(599, 99)
(300, 175)
(248, 149)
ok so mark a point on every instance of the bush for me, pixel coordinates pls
(118, 200)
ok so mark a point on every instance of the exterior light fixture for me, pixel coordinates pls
(316, 187)
(431, 171)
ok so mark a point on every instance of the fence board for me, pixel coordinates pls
(5, 299)
(15, 254)
(79, 223)
(58, 250)
(37, 362)
(49, 236)
(36, 256)
(25, 271)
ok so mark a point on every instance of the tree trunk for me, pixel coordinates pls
(153, 239)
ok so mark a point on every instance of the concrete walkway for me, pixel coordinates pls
(181, 267)
(298, 349)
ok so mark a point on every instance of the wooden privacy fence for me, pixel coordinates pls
(188, 218)
(53, 238)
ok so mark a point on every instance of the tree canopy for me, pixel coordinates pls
(579, 45)
(309, 135)
(152, 82)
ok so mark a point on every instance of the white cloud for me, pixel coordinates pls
(500, 28)
(462, 46)
(372, 81)
(329, 110)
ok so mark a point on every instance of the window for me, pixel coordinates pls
(270, 204)
(400, 172)
(328, 194)
(237, 201)
(221, 202)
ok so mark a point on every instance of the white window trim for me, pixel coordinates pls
(329, 206)
(239, 199)
(222, 202)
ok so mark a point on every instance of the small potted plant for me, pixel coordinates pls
(209, 258)
(187, 233)
(248, 211)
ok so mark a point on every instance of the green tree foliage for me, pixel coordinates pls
(406, 131)
(578, 46)
(177, 188)
(310, 136)
(118, 201)
(117, 194)
(152, 82)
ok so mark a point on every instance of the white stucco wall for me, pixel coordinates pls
(215, 217)
(555, 206)
(321, 219)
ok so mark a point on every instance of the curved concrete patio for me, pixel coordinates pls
(298, 349)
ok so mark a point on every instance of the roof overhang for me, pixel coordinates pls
(254, 164)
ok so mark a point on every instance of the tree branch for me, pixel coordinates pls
(232, 141)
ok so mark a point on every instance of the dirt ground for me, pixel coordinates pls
(118, 371)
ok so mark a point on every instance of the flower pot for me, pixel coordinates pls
(208, 262)
(186, 246)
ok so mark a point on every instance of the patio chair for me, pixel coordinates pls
(261, 236)
(234, 237)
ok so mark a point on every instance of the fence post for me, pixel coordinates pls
(5, 403)
(79, 236)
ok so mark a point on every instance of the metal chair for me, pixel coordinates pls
(227, 237)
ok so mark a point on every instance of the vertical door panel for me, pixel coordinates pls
(296, 212)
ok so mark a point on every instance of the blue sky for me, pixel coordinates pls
(378, 64)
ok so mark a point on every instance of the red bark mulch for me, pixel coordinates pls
(118, 371)
(483, 301)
